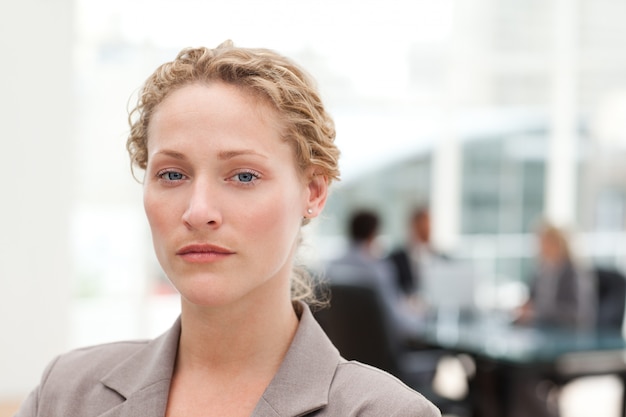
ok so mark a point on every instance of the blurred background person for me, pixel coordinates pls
(562, 295)
(363, 254)
(562, 290)
(408, 261)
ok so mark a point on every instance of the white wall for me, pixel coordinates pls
(36, 151)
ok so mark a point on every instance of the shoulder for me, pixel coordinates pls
(86, 366)
(74, 378)
(363, 390)
(97, 360)
(315, 380)
(82, 369)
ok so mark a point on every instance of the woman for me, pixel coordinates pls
(562, 296)
(238, 153)
(562, 291)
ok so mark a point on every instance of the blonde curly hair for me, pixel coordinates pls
(288, 88)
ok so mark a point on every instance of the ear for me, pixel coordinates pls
(317, 193)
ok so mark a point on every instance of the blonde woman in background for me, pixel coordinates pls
(562, 296)
(562, 289)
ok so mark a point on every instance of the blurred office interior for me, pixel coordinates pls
(495, 112)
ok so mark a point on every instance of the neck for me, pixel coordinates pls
(366, 247)
(237, 337)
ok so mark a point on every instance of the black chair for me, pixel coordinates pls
(611, 306)
(611, 285)
(357, 324)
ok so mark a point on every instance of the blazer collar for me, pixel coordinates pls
(302, 383)
(300, 386)
(143, 379)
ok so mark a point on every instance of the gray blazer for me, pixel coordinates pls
(133, 378)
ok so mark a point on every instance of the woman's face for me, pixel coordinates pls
(223, 196)
(551, 248)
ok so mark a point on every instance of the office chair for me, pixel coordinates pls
(611, 299)
(611, 306)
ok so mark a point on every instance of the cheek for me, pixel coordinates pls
(277, 217)
(155, 209)
(148, 207)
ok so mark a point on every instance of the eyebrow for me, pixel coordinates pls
(223, 155)
(173, 154)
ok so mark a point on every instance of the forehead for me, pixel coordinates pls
(204, 93)
(218, 114)
(213, 105)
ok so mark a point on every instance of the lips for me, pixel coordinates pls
(203, 253)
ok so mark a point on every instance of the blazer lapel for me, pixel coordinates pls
(300, 386)
(149, 402)
(143, 379)
(303, 380)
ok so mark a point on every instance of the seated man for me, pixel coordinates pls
(361, 253)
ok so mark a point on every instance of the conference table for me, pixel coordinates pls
(503, 351)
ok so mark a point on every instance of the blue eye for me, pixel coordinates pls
(246, 177)
(171, 176)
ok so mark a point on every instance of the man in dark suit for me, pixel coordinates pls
(407, 260)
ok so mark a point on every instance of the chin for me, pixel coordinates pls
(212, 300)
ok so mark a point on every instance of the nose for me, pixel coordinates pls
(202, 210)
